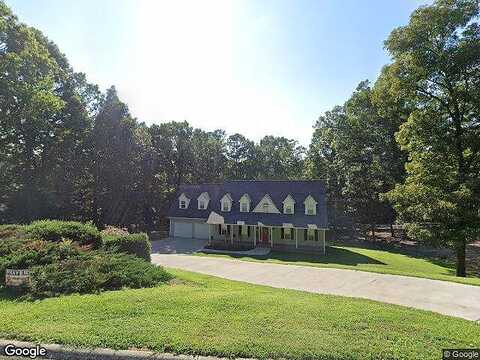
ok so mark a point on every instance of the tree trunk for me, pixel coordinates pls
(461, 247)
(392, 230)
(373, 231)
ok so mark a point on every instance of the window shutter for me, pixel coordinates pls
(248, 231)
(291, 233)
(219, 228)
(283, 233)
(305, 234)
(316, 235)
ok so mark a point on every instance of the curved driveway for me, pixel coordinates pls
(440, 296)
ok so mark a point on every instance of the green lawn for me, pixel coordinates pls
(201, 314)
(355, 258)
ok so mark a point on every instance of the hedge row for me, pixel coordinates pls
(56, 230)
(64, 268)
(135, 244)
(71, 257)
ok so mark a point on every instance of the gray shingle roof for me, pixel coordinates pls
(256, 189)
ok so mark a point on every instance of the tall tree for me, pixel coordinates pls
(242, 162)
(209, 156)
(436, 66)
(353, 148)
(115, 164)
(280, 158)
(28, 104)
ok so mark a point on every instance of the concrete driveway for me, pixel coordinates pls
(177, 246)
(440, 296)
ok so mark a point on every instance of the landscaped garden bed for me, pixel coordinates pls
(72, 257)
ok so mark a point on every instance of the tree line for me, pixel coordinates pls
(405, 148)
(69, 151)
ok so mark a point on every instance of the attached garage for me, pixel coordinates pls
(200, 231)
(189, 229)
(182, 229)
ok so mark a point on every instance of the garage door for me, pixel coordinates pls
(201, 231)
(181, 229)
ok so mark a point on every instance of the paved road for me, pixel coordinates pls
(440, 296)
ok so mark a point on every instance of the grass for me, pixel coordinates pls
(355, 258)
(206, 315)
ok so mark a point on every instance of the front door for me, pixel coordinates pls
(265, 236)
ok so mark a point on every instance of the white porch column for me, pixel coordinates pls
(209, 232)
(271, 237)
(323, 237)
(254, 236)
(231, 233)
(295, 233)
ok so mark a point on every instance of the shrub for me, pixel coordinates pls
(135, 244)
(113, 231)
(23, 254)
(94, 272)
(56, 230)
(11, 231)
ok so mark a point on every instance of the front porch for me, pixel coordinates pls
(274, 237)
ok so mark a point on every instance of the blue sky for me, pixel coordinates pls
(254, 67)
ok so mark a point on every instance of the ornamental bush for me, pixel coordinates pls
(24, 254)
(11, 231)
(65, 267)
(94, 272)
(134, 244)
(56, 230)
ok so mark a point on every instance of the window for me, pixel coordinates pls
(289, 205)
(201, 205)
(286, 233)
(183, 204)
(244, 230)
(310, 206)
(225, 206)
(265, 207)
(244, 203)
(310, 209)
(311, 234)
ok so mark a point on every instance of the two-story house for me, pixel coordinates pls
(288, 214)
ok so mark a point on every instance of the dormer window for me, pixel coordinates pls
(266, 205)
(245, 203)
(310, 206)
(226, 203)
(289, 205)
(183, 201)
(203, 200)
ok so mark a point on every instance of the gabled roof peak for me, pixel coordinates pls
(289, 198)
(227, 196)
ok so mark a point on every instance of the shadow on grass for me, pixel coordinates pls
(333, 256)
(10, 294)
(444, 261)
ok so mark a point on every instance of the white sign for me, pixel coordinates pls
(16, 277)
